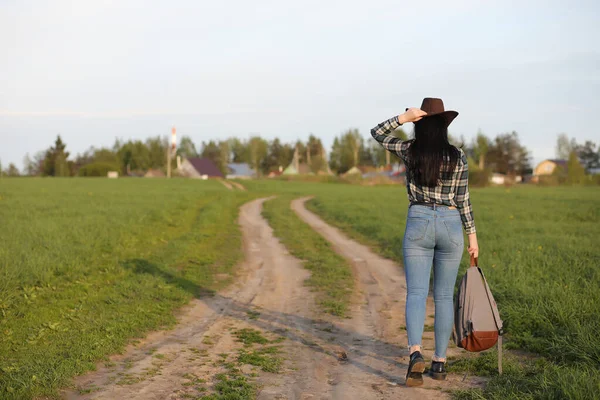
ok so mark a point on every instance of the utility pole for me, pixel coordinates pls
(171, 150)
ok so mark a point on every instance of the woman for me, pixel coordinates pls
(437, 183)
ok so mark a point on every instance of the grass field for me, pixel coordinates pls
(86, 265)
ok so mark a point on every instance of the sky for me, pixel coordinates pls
(93, 71)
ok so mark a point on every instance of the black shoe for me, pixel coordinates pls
(438, 370)
(416, 366)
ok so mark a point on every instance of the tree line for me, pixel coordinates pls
(502, 154)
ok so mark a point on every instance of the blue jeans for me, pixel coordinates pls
(432, 237)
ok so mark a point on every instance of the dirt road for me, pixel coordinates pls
(363, 357)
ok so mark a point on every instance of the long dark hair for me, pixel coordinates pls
(431, 158)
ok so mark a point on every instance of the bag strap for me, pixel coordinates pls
(474, 262)
(487, 293)
(499, 354)
(500, 330)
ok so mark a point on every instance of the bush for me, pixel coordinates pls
(97, 169)
(552, 180)
(479, 177)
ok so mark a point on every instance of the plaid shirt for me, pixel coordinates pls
(450, 192)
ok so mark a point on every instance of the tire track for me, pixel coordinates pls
(325, 357)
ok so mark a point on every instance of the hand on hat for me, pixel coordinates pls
(411, 115)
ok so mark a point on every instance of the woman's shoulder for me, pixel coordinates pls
(462, 156)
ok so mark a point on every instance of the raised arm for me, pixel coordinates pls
(381, 132)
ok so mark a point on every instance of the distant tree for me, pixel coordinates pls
(85, 158)
(316, 159)
(93, 155)
(217, 152)
(29, 167)
(55, 160)
(134, 156)
(335, 155)
(258, 151)
(352, 141)
(589, 157)
(301, 148)
(211, 151)
(104, 155)
(348, 151)
(575, 171)
(366, 156)
(239, 151)
(480, 148)
(380, 155)
(12, 170)
(507, 156)
(224, 156)
(38, 160)
(278, 155)
(61, 165)
(564, 146)
(157, 151)
(187, 148)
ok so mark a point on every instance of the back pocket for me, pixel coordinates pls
(416, 228)
(455, 233)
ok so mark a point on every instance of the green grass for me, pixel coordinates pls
(331, 275)
(266, 358)
(86, 265)
(232, 387)
(250, 336)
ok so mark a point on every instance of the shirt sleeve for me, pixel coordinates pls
(394, 145)
(462, 198)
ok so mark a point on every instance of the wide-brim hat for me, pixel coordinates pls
(433, 106)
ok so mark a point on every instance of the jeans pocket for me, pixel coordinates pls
(416, 228)
(455, 233)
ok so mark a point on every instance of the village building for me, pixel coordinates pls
(199, 168)
(154, 173)
(240, 171)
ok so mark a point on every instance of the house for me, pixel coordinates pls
(154, 173)
(547, 167)
(498, 179)
(354, 171)
(297, 169)
(504, 179)
(199, 168)
(240, 171)
(275, 173)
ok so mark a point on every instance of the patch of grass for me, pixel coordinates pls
(250, 336)
(87, 265)
(331, 275)
(525, 378)
(266, 358)
(253, 314)
(236, 387)
(207, 340)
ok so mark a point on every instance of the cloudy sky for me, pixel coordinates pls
(96, 70)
